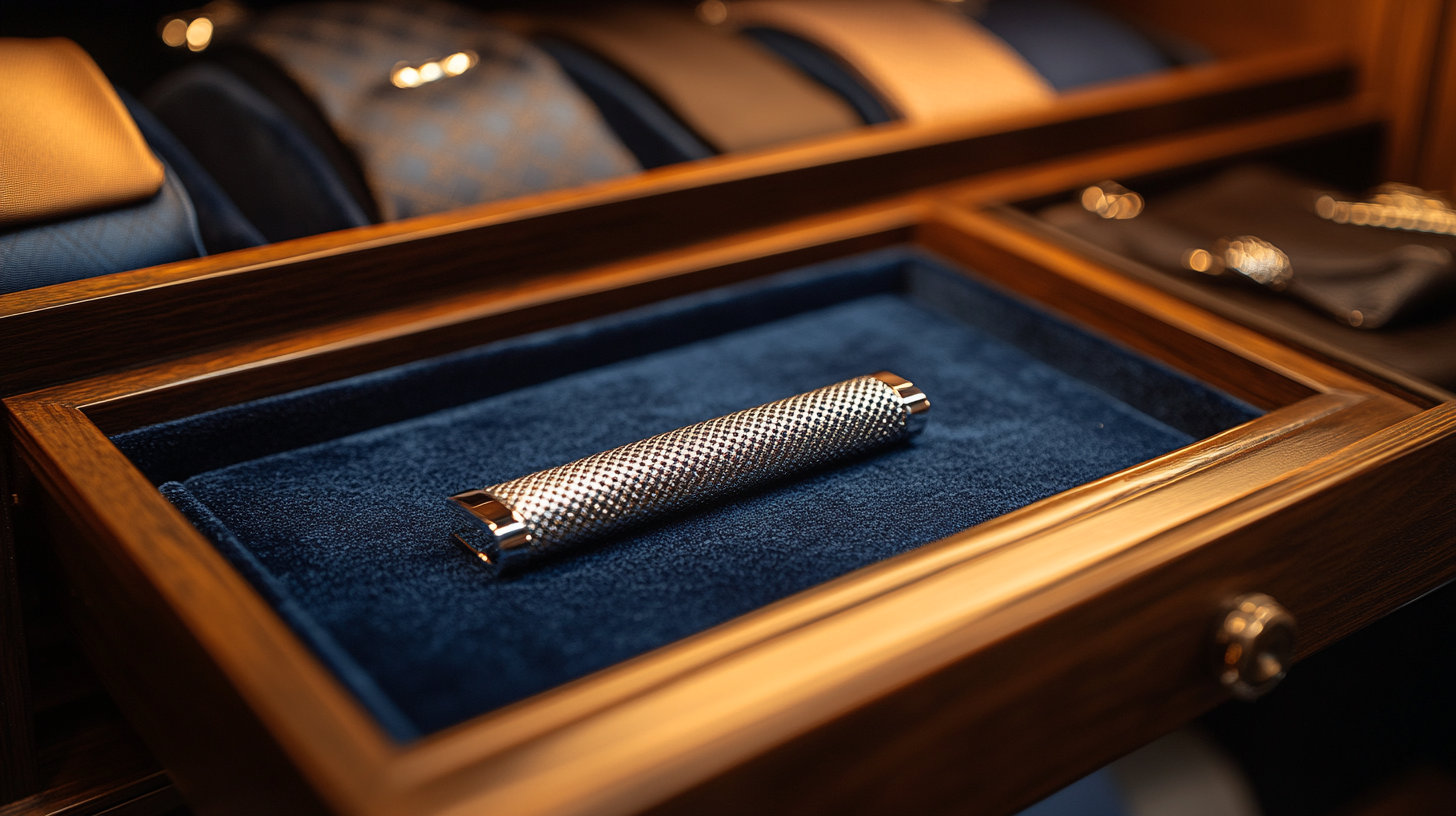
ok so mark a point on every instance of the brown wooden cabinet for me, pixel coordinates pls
(1084, 613)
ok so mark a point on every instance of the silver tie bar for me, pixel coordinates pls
(514, 523)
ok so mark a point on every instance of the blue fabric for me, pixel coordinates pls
(159, 230)
(222, 226)
(826, 69)
(331, 499)
(1072, 44)
(1094, 795)
(281, 181)
(653, 134)
(511, 125)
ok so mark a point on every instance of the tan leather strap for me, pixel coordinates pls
(67, 144)
(929, 62)
(733, 92)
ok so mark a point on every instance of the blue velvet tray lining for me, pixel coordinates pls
(331, 499)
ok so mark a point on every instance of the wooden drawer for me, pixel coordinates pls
(1085, 613)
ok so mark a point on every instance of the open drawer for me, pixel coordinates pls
(1020, 595)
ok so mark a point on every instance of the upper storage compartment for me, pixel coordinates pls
(1178, 80)
(321, 116)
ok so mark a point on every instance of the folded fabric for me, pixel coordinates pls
(507, 125)
(927, 63)
(67, 145)
(731, 91)
(654, 134)
(1072, 44)
(222, 226)
(83, 194)
(280, 174)
(1364, 276)
(158, 230)
(826, 69)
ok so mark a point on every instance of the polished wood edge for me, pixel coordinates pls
(335, 744)
(1017, 258)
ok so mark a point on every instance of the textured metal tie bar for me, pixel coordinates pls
(511, 524)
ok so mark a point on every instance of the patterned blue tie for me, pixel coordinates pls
(510, 125)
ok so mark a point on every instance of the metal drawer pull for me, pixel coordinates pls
(1253, 645)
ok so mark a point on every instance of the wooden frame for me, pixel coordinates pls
(1062, 634)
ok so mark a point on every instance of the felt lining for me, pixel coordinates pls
(330, 500)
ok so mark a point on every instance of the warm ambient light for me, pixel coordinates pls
(713, 12)
(174, 33)
(407, 77)
(412, 76)
(197, 28)
(199, 34)
(457, 64)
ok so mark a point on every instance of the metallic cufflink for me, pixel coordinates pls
(1248, 256)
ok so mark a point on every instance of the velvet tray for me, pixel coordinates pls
(331, 500)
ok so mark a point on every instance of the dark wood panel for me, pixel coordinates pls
(18, 773)
(92, 762)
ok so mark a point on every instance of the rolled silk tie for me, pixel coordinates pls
(727, 88)
(512, 524)
(930, 63)
(435, 133)
(67, 144)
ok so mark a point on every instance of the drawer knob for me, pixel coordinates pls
(1253, 645)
